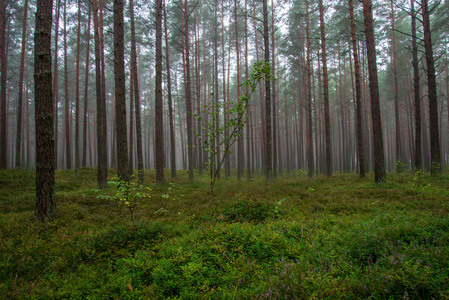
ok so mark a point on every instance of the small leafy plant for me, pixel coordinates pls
(128, 194)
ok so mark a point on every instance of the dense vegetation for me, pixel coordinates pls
(338, 237)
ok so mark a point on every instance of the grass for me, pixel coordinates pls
(338, 237)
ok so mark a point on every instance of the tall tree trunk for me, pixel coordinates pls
(378, 145)
(45, 164)
(188, 92)
(240, 141)
(120, 92)
(131, 115)
(137, 110)
(248, 106)
(170, 104)
(102, 158)
(68, 139)
(310, 164)
(327, 126)
(77, 94)
(432, 93)
(4, 69)
(158, 103)
(416, 91)
(19, 144)
(396, 91)
(273, 83)
(268, 142)
(56, 84)
(358, 89)
(86, 90)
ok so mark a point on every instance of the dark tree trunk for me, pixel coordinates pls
(86, 90)
(45, 164)
(358, 89)
(4, 69)
(268, 143)
(378, 143)
(416, 91)
(188, 92)
(170, 105)
(102, 158)
(137, 110)
(273, 84)
(120, 92)
(240, 130)
(158, 102)
(19, 145)
(432, 91)
(327, 125)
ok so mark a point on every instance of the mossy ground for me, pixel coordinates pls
(338, 237)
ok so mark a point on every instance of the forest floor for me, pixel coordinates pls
(338, 237)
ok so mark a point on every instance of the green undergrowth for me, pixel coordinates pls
(295, 238)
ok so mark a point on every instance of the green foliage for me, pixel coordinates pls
(338, 237)
(216, 139)
(129, 194)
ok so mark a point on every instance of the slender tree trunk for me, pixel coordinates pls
(416, 91)
(435, 152)
(327, 129)
(170, 104)
(240, 141)
(188, 92)
(274, 96)
(358, 89)
(19, 143)
(140, 167)
(309, 101)
(248, 106)
(158, 102)
(3, 77)
(86, 91)
(45, 165)
(102, 159)
(56, 84)
(68, 140)
(379, 159)
(131, 116)
(77, 94)
(268, 143)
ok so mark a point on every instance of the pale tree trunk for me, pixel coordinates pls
(45, 164)
(273, 83)
(248, 107)
(77, 94)
(240, 141)
(188, 92)
(416, 91)
(378, 143)
(19, 143)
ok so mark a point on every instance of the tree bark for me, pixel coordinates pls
(327, 129)
(378, 143)
(170, 104)
(416, 91)
(77, 94)
(45, 164)
(56, 84)
(86, 90)
(140, 167)
(102, 158)
(158, 103)
(268, 141)
(19, 145)
(310, 164)
(3, 77)
(120, 92)
(68, 140)
(432, 93)
(358, 90)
